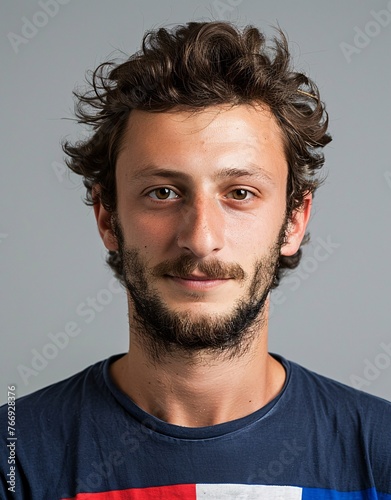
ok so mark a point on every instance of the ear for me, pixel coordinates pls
(296, 227)
(104, 221)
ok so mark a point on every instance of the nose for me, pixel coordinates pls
(201, 228)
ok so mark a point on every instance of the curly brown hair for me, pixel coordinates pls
(191, 67)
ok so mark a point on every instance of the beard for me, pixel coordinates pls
(162, 331)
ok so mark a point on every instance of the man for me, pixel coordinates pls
(201, 170)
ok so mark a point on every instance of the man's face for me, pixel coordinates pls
(200, 220)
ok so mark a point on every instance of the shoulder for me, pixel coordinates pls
(336, 407)
(57, 404)
(330, 393)
(50, 425)
(356, 423)
(59, 427)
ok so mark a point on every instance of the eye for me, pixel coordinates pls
(240, 194)
(163, 193)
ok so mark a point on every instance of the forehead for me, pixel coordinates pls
(214, 138)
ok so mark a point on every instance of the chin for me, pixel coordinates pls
(201, 309)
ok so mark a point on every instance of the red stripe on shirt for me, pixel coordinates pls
(176, 492)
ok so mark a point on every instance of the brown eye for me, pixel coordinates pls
(163, 193)
(239, 194)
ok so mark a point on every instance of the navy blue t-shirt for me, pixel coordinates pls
(83, 438)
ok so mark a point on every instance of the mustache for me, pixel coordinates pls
(185, 265)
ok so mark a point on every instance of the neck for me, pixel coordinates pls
(202, 389)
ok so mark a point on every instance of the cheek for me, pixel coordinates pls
(252, 236)
(149, 233)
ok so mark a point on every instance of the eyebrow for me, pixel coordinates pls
(253, 171)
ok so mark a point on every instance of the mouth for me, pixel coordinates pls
(197, 282)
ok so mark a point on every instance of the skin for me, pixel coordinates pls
(215, 210)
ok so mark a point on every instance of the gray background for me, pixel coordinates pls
(332, 318)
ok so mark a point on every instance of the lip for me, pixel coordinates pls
(198, 282)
